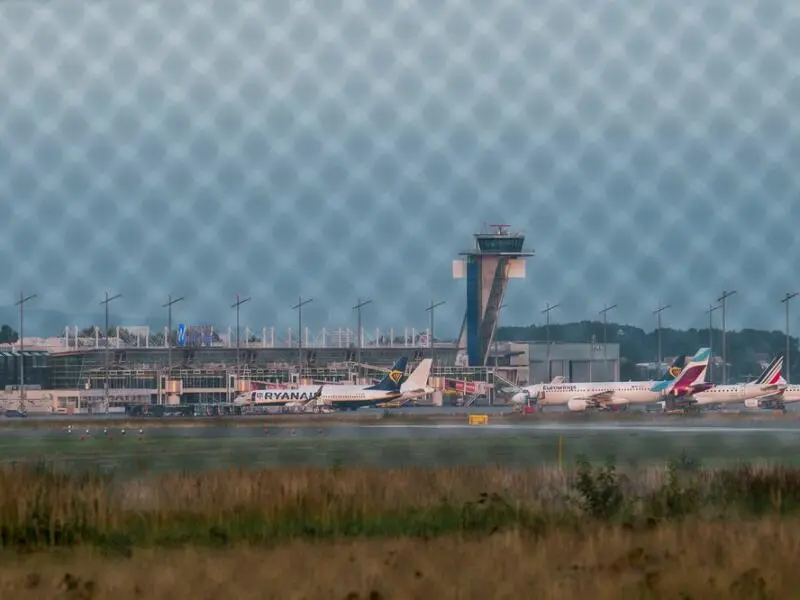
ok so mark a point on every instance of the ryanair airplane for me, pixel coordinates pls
(335, 395)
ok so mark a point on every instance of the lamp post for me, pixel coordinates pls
(604, 312)
(168, 306)
(788, 363)
(237, 305)
(722, 300)
(710, 311)
(299, 308)
(658, 312)
(105, 302)
(359, 305)
(548, 307)
(431, 309)
(21, 303)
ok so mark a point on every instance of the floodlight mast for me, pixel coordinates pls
(431, 309)
(21, 303)
(359, 305)
(299, 308)
(168, 306)
(604, 312)
(237, 305)
(105, 302)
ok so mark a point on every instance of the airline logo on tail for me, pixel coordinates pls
(391, 381)
(671, 372)
(772, 374)
(675, 368)
(693, 376)
(690, 379)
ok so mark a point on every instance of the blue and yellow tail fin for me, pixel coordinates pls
(393, 379)
(674, 369)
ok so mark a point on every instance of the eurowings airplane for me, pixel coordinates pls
(767, 384)
(335, 395)
(583, 396)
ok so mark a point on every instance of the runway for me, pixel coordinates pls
(530, 443)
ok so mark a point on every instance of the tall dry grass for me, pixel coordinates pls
(41, 508)
(736, 561)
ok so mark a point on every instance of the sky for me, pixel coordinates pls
(349, 149)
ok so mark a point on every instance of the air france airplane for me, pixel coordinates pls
(583, 396)
(778, 400)
(785, 394)
(335, 395)
(767, 384)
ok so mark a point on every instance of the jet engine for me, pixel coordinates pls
(752, 403)
(576, 404)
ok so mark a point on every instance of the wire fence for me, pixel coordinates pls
(346, 153)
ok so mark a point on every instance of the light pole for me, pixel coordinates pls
(299, 308)
(237, 305)
(658, 312)
(431, 309)
(722, 300)
(105, 386)
(604, 312)
(710, 311)
(21, 303)
(546, 312)
(494, 339)
(359, 305)
(788, 362)
(168, 306)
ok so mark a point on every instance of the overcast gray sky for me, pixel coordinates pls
(650, 150)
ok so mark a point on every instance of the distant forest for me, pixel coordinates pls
(746, 348)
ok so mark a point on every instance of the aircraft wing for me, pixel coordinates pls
(770, 393)
(775, 389)
(598, 397)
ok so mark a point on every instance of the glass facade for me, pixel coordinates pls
(500, 243)
(37, 368)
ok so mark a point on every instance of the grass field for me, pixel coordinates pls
(169, 449)
(586, 532)
(739, 561)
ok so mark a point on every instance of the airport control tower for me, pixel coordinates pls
(498, 257)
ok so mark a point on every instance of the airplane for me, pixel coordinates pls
(335, 395)
(778, 399)
(766, 384)
(582, 396)
(788, 394)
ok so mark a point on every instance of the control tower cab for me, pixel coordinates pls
(498, 256)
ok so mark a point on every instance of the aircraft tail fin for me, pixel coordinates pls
(772, 374)
(675, 368)
(419, 376)
(693, 373)
(392, 380)
(695, 370)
